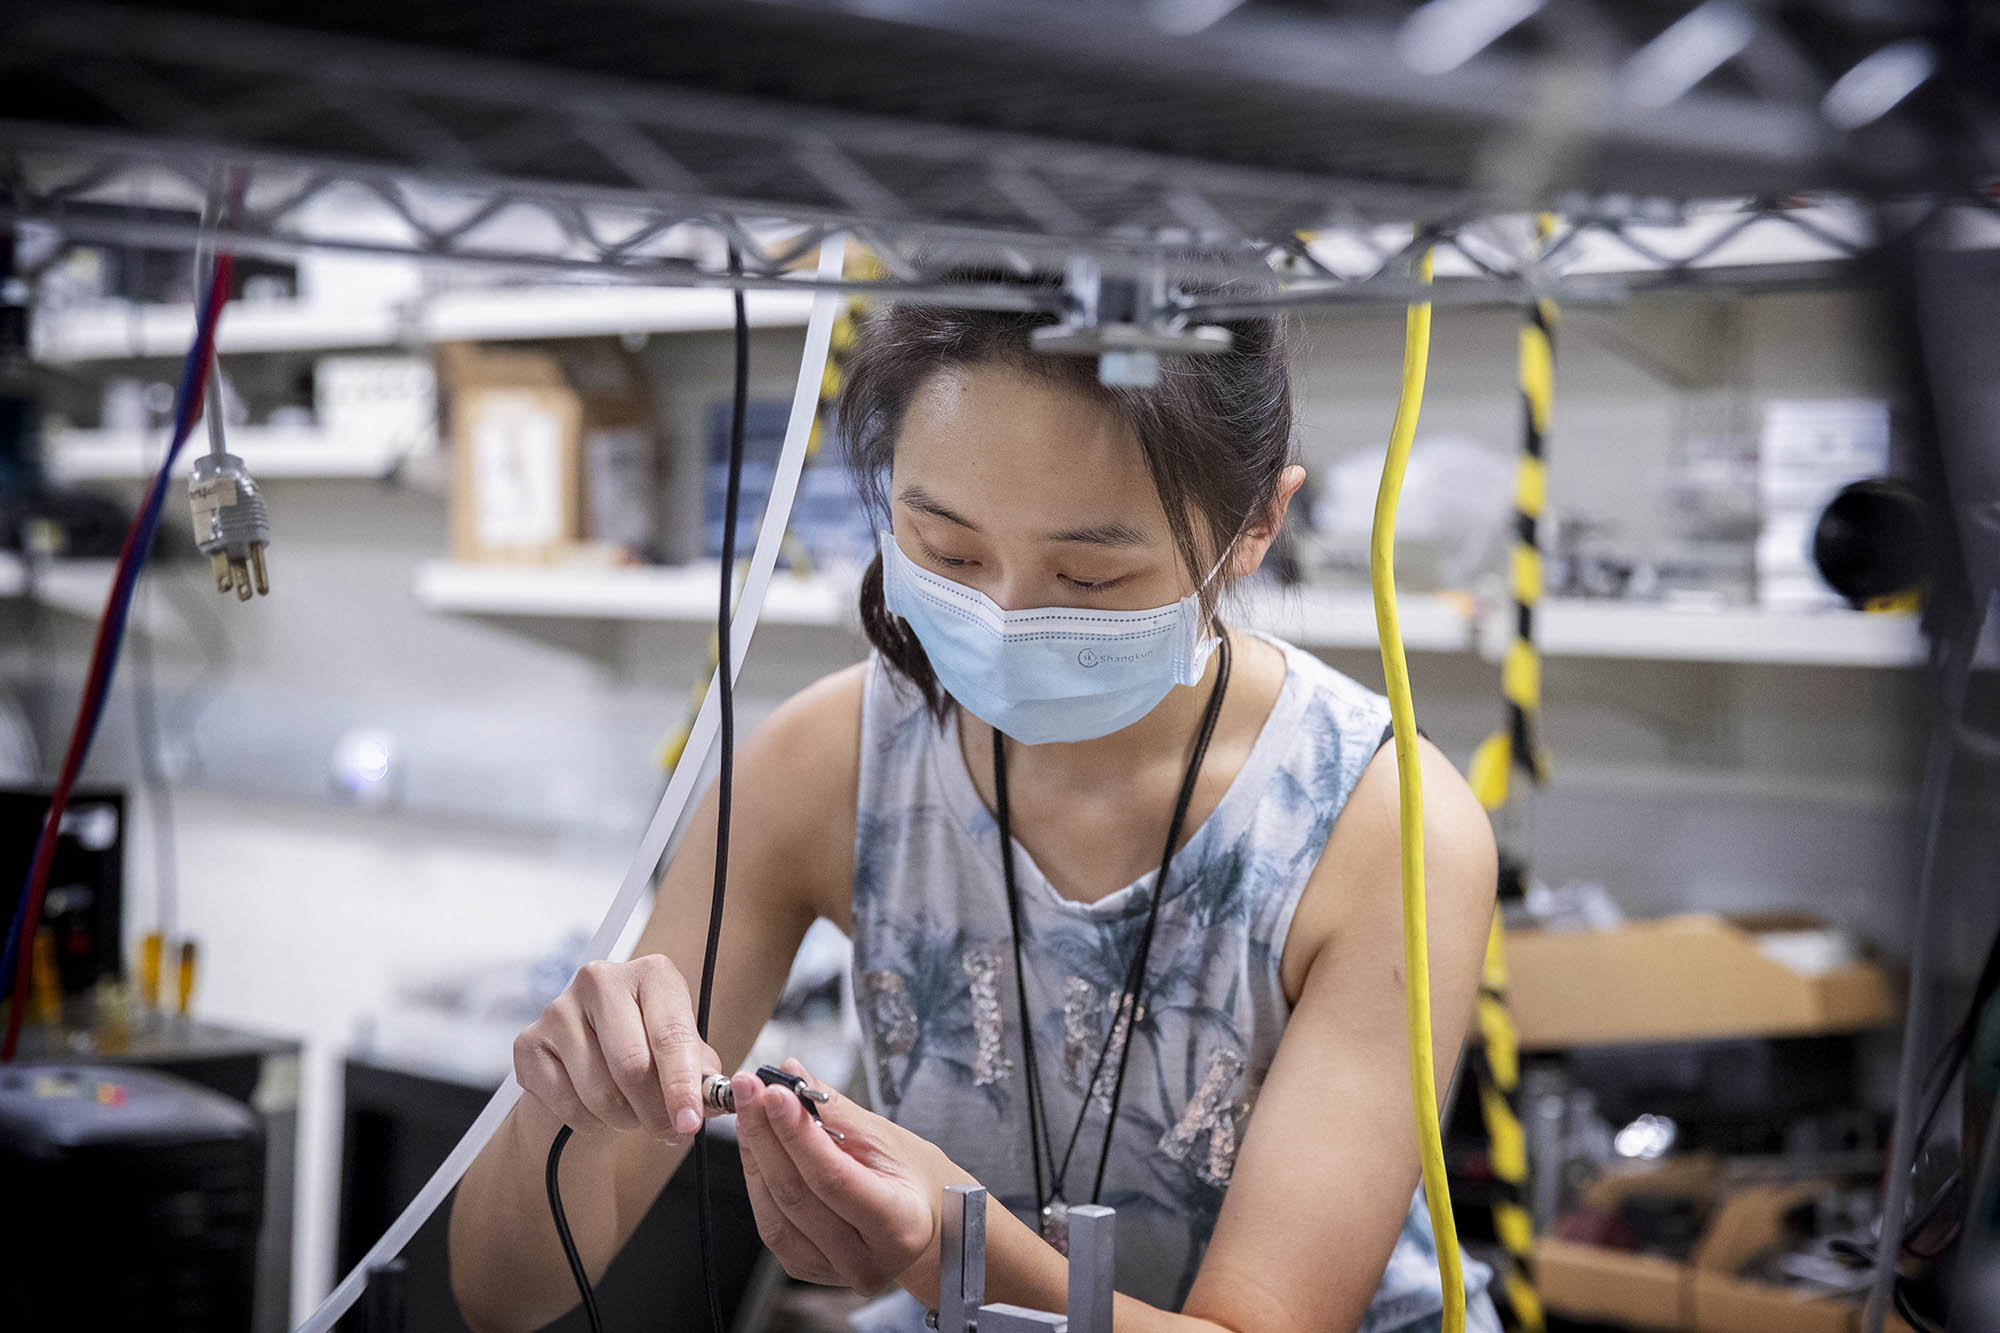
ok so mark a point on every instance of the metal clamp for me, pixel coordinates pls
(962, 1306)
(1127, 320)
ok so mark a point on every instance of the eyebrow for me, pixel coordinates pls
(921, 500)
(1113, 534)
(1102, 534)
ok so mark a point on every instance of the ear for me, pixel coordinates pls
(1258, 536)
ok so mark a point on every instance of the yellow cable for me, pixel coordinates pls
(1409, 782)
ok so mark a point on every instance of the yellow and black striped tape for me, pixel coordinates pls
(1518, 744)
(1496, 1070)
(1496, 1057)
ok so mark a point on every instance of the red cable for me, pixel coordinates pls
(101, 662)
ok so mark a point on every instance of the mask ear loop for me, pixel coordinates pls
(1228, 552)
(1199, 642)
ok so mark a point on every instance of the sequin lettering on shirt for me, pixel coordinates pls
(990, 1064)
(1083, 1030)
(1213, 1116)
(892, 1024)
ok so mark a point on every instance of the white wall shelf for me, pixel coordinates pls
(77, 588)
(592, 592)
(118, 332)
(1312, 618)
(1332, 618)
(1581, 627)
(270, 453)
(62, 585)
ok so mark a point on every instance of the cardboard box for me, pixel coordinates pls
(1682, 978)
(1611, 1286)
(1705, 1294)
(516, 432)
(622, 445)
(551, 451)
(1590, 1282)
(1750, 1221)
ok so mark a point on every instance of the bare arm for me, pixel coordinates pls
(1330, 1159)
(616, 1056)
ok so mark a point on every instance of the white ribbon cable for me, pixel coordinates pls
(680, 788)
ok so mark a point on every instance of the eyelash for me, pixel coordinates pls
(952, 562)
(948, 562)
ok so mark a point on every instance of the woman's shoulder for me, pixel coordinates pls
(1339, 756)
(1337, 697)
(802, 762)
(1328, 727)
(828, 711)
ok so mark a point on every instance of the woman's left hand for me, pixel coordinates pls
(856, 1214)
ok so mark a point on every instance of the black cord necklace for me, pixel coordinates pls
(1051, 1207)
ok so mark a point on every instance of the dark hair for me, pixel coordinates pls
(1216, 430)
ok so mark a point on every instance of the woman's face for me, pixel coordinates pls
(1031, 494)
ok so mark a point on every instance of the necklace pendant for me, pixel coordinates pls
(1055, 1224)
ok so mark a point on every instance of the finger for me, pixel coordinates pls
(861, 1131)
(799, 1256)
(679, 1056)
(757, 1127)
(539, 1071)
(626, 1050)
(583, 1061)
(795, 1250)
(856, 1194)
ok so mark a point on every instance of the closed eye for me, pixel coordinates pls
(1093, 585)
(949, 562)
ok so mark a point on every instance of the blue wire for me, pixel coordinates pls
(123, 584)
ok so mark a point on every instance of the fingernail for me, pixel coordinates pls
(745, 1087)
(688, 1121)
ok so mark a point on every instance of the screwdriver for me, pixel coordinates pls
(150, 950)
(186, 977)
(48, 986)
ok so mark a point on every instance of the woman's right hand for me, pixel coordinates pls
(618, 1050)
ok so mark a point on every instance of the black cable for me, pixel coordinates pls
(1036, 1142)
(1126, 1010)
(1952, 660)
(1208, 722)
(1900, 1295)
(704, 1217)
(576, 1267)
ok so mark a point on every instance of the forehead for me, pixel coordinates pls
(1021, 448)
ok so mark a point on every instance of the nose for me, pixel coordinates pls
(1016, 592)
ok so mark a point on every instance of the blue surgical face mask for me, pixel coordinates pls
(1058, 673)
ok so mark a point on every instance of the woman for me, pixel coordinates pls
(1223, 1061)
